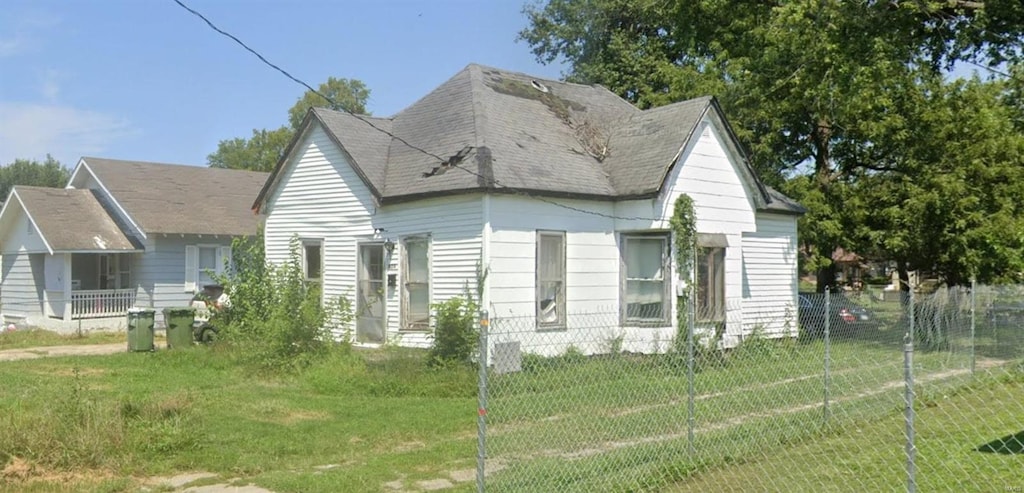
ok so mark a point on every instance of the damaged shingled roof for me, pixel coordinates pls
(514, 131)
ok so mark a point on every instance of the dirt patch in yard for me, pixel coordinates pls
(21, 471)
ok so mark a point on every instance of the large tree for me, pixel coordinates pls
(264, 148)
(812, 87)
(49, 173)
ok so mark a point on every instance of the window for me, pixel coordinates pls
(114, 271)
(646, 279)
(207, 266)
(416, 283)
(202, 263)
(710, 302)
(313, 259)
(551, 279)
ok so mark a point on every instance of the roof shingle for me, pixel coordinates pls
(73, 220)
(522, 133)
(181, 199)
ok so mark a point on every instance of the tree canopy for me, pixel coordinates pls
(49, 173)
(829, 96)
(265, 148)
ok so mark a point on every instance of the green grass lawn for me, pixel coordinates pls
(348, 424)
(869, 456)
(25, 338)
(363, 419)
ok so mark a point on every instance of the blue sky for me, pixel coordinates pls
(146, 80)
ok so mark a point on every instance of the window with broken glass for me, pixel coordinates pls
(550, 279)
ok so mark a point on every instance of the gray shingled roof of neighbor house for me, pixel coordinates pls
(182, 199)
(495, 129)
(73, 220)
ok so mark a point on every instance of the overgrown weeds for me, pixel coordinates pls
(278, 320)
(77, 428)
(456, 334)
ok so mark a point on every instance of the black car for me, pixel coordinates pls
(844, 315)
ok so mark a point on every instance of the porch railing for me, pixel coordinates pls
(101, 303)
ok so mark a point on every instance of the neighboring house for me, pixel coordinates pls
(122, 234)
(561, 192)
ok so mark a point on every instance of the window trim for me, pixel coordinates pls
(305, 243)
(560, 322)
(407, 325)
(701, 253)
(666, 278)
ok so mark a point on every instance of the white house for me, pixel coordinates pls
(121, 234)
(561, 192)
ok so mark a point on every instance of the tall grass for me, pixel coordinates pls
(71, 426)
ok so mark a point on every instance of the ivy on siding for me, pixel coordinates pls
(684, 237)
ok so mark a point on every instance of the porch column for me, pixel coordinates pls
(68, 305)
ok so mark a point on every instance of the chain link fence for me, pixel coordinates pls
(851, 393)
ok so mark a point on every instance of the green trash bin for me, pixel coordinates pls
(179, 323)
(140, 329)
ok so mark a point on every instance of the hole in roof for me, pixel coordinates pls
(538, 86)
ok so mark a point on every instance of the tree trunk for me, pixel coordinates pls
(820, 137)
(904, 272)
(826, 277)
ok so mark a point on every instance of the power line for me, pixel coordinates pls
(444, 161)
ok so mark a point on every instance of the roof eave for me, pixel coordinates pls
(550, 194)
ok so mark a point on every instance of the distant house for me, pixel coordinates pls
(121, 234)
(561, 192)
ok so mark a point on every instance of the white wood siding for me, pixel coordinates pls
(591, 251)
(22, 237)
(770, 275)
(320, 196)
(22, 294)
(710, 175)
(22, 268)
(706, 171)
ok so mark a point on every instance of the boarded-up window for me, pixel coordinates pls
(646, 280)
(416, 283)
(551, 279)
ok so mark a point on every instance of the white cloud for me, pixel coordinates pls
(30, 131)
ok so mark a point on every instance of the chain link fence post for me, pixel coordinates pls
(828, 317)
(481, 420)
(690, 350)
(908, 408)
(974, 305)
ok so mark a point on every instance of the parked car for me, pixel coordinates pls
(844, 316)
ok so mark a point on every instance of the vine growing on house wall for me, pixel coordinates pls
(684, 238)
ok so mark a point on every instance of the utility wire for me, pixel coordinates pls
(449, 162)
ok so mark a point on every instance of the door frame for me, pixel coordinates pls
(381, 293)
